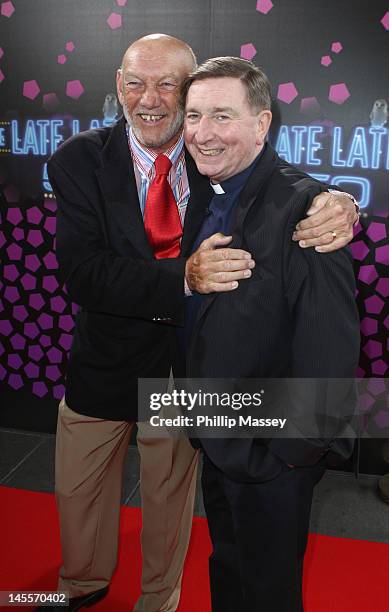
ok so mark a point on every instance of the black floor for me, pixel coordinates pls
(342, 505)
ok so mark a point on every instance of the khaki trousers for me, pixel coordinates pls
(90, 455)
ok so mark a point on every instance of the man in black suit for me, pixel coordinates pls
(295, 317)
(126, 273)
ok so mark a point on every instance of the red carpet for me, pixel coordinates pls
(341, 575)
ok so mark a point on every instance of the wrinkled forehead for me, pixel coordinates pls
(217, 91)
(157, 60)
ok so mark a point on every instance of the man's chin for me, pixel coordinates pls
(206, 169)
(147, 140)
(152, 141)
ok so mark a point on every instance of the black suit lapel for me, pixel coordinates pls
(117, 181)
(200, 196)
(251, 194)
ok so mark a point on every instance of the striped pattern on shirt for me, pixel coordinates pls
(143, 160)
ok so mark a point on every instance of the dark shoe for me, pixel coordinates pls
(76, 603)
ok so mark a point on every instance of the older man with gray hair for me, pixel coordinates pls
(123, 195)
(294, 317)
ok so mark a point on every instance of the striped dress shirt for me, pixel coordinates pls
(143, 160)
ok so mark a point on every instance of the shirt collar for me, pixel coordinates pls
(145, 157)
(238, 180)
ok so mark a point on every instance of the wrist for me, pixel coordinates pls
(349, 195)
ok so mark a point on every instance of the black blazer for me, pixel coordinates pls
(295, 317)
(130, 302)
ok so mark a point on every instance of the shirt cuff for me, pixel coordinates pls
(186, 288)
(357, 207)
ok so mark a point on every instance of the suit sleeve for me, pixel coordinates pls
(99, 279)
(320, 292)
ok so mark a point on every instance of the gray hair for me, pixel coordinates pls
(255, 80)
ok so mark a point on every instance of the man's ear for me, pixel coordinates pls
(119, 85)
(264, 121)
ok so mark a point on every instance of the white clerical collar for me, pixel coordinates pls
(217, 188)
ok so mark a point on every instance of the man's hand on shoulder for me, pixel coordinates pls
(216, 268)
(329, 226)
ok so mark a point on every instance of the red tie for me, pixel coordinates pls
(161, 218)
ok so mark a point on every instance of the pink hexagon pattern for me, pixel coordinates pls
(1, 52)
(15, 381)
(121, 2)
(39, 332)
(373, 348)
(264, 6)
(326, 60)
(36, 301)
(39, 389)
(382, 419)
(309, 105)
(287, 92)
(368, 274)
(50, 100)
(14, 215)
(54, 355)
(53, 373)
(61, 59)
(50, 261)
(376, 386)
(359, 250)
(35, 352)
(338, 93)
(32, 262)
(382, 254)
(336, 47)
(18, 342)
(376, 231)
(11, 294)
(34, 215)
(57, 304)
(2, 77)
(369, 326)
(31, 330)
(385, 20)
(35, 238)
(379, 367)
(5, 327)
(383, 287)
(70, 46)
(50, 225)
(31, 89)
(114, 21)
(11, 272)
(32, 370)
(58, 391)
(18, 233)
(74, 89)
(20, 313)
(247, 51)
(374, 304)
(7, 9)
(50, 284)
(14, 252)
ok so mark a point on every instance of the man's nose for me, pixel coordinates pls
(150, 97)
(204, 130)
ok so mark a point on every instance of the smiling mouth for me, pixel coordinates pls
(150, 118)
(211, 152)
